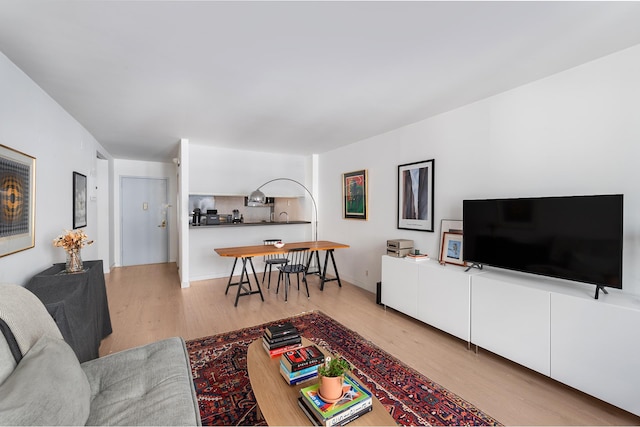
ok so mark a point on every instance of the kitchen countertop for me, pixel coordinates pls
(249, 224)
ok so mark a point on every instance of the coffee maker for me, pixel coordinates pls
(197, 215)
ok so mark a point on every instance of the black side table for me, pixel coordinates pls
(78, 304)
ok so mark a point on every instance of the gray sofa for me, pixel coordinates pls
(43, 383)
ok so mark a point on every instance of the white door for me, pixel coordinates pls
(143, 203)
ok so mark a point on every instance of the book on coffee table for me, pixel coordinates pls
(355, 401)
(281, 330)
(298, 377)
(301, 358)
(316, 422)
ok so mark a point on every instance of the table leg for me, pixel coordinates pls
(244, 270)
(255, 276)
(323, 278)
(235, 260)
(317, 263)
(240, 283)
(335, 269)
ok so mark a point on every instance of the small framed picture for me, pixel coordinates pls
(79, 200)
(448, 226)
(415, 196)
(451, 252)
(354, 195)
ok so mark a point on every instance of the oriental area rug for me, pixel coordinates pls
(219, 367)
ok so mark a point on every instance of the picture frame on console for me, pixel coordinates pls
(449, 226)
(17, 201)
(355, 195)
(451, 252)
(415, 195)
(79, 200)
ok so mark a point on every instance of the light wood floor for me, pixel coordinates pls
(147, 304)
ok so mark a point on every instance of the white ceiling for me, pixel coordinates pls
(299, 77)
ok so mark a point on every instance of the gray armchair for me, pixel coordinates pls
(43, 383)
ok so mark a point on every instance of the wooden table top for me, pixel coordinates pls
(262, 250)
(278, 401)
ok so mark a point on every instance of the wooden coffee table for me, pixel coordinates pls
(278, 401)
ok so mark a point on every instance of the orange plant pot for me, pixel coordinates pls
(331, 387)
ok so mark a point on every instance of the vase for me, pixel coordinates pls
(331, 387)
(74, 261)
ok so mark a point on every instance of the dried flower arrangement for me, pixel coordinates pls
(72, 240)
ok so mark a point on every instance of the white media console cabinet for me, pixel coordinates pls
(554, 327)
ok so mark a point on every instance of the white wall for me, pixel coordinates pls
(574, 133)
(31, 122)
(135, 168)
(222, 171)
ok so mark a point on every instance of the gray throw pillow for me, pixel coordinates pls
(48, 387)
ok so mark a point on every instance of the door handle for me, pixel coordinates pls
(163, 225)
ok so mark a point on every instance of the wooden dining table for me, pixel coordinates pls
(246, 254)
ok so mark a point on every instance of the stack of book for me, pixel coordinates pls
(417, 257)
(300, 365)
(278, 339)
(355, 402)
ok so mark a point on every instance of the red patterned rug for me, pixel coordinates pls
(219, 365)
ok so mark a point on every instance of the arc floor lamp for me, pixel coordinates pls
(257, 198)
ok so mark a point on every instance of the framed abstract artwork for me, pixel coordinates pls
(79, 200)
(354, 195)
(17, 201)
(415, 195)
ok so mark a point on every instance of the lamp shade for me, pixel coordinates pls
(257, 198)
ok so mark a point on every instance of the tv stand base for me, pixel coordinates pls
(598, 288)
(474, 265)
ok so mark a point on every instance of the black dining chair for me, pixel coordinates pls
(297, 260)
(271, 260)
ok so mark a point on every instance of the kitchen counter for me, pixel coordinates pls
(205, 264)
(248, 224)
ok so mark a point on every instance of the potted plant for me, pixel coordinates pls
(331, 375)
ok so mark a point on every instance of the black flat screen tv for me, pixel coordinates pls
(576, 238)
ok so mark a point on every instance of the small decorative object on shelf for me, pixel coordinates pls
(72, 242)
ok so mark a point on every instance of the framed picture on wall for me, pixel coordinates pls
(17, 201)
(79, 200)
(451, 252)
(354, 195)
(415, 196)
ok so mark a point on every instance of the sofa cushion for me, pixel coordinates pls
(25, 316)
(7, 360)
(47, 387)
(148, 385)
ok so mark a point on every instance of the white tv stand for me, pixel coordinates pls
(551, 326)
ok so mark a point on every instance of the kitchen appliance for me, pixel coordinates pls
(197, 215)
(212, 217)
(236, 216)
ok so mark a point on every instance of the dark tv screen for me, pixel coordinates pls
(575, 238)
